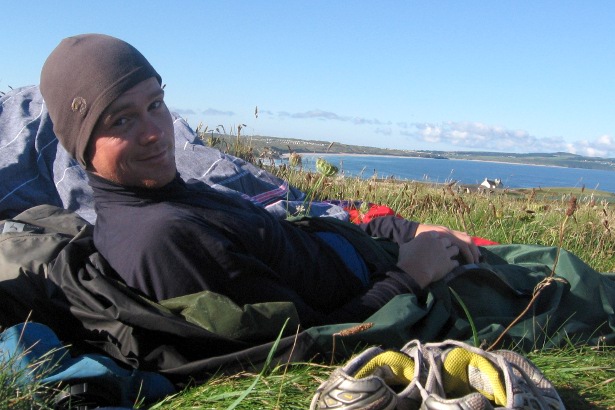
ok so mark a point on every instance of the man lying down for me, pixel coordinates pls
(168, 238)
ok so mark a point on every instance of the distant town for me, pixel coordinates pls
(276, 147)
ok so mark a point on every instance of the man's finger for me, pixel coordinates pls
(470, 253)
(452, 251)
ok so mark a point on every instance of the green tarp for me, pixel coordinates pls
(578, 305)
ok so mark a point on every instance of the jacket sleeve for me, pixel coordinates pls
(398, 230)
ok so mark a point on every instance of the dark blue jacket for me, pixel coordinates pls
(187, 237)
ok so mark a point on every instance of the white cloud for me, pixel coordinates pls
(484, 137)
(213, 111)
(184, 112)
(476, 135)
(328, 115)
(384, 130)
(606, 140)
(603, 146)
(318, 114)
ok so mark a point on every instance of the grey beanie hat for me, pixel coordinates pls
(81, 77)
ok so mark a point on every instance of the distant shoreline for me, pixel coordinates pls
(340, 154)
(396, 179)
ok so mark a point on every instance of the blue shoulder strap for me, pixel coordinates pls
(35, 353)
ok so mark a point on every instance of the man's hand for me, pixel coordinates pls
(428, 257)
(468, 251)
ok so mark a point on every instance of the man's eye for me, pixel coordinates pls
(120, 121)
(156, 104)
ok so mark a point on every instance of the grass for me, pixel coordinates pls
(288, 387)
(17, 394)
(584, 377)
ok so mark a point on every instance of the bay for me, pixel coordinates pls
(465, 172)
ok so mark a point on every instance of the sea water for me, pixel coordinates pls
(465, 172)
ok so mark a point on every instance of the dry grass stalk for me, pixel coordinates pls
(349, 331)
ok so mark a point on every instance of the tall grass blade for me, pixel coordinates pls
(265, 368)
(468, 316)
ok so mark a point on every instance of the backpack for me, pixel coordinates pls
(35, 355)
(29, 244)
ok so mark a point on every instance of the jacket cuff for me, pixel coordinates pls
(405, 280)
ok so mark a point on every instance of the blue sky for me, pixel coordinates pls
(510, 76)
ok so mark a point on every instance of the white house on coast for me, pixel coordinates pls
(491, 183)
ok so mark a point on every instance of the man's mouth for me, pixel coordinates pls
(156, 156)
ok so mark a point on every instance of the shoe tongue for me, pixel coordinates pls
(465, 372)
(394, 367)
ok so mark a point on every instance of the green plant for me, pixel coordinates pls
(21, 387)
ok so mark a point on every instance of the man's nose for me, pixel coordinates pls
(151, 132)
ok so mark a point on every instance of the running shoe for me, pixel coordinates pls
(376, 379)
(462, 377)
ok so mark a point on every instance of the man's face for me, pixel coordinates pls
(133, 142)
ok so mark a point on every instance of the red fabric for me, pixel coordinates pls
(482, 241)
(376, 211)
